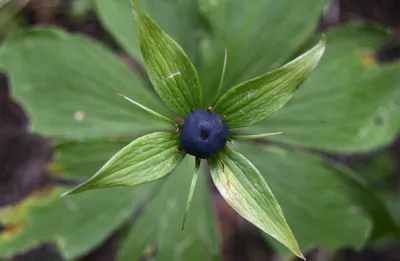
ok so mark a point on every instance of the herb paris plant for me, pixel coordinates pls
(206, 129)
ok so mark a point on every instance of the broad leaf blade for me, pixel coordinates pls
(86, 220)
(73, 93)
(323, 203)
(258, 35)
(254, 100)
(116, 16)
(349, 104)
(146, 159)
(243, 187)
(157, 231)
(171, 72)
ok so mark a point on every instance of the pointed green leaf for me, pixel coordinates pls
(73, 93)
(79, 160)
(177, 18)
(259, 35)
(246, 191)
(324, 203)
(254, 100)
(171, 72)
(349, 104)
(158, 230)
(147, 158)
(191, 191)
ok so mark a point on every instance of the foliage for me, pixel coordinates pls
(349, 104)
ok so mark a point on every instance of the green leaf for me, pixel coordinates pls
(177, 18)
(158, 230)
(116, 17)
(145, 159)
(254, 100)
(245, 190)
(76, 225)
(323, 203)
(259, 36)
(349, 104)
(171, 72)
(73, 93)
(80, 159)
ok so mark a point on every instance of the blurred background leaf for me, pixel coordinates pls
(69, 85)
(9, 19)
(349, 104)
(48, 218)
(325, 207)
(258, 35)
(87, 219)
(158, 230)
(71, 164)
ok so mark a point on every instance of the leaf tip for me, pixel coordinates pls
(322, 43)
(68, 193)
(63, 195)
(300, 255)
(78, 189)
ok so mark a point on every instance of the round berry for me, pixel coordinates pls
(203, 134)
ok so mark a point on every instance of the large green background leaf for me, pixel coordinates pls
(323, 204)
(117, 17)
(77, 226)
(349, 103)
(69, 162)
(259, 35)
(87, 219)
(178, 18)
(69, 86)
(159, 227)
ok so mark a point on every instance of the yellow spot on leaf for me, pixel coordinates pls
(368, 58)
(54, 169)
(42, 193)
(11, 231)
(150, 250)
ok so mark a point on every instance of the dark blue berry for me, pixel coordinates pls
(204, 134)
